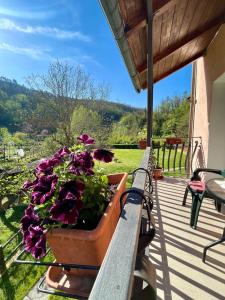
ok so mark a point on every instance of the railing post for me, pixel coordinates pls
(149, 73)
(2, 261)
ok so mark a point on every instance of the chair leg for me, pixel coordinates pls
(185, 197)
(218, 205)
(196, 204)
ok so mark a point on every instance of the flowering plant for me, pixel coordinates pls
(142, 135)
(67, 192)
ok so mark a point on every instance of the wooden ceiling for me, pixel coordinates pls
(182, 31)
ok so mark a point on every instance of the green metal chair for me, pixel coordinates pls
(196, 187)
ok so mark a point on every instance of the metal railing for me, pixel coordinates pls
(6, 253)
(176, 155)
(13, 152)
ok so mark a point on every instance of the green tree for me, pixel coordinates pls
(59, 87)
(5, 136)
(171, 117)
(85, 120)
(126, 130)
(19, 138)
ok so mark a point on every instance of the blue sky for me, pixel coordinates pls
(34, 33)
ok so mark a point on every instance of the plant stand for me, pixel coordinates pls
(76, 290)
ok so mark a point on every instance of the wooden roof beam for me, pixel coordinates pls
(176, 68)
(142, 68)
(181, 65)
(135, 25)
(187, 39)
(190, 37)
(159, 7)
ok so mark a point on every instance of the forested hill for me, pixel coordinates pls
(18, 104)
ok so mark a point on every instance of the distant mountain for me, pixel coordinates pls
(17, 103)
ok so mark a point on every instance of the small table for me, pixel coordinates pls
(216, 187)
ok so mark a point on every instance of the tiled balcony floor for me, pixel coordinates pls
(177, 249)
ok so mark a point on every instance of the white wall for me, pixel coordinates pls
(216, 148)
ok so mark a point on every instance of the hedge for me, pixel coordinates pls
(125, 146)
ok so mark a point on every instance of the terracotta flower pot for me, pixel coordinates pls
(173, 140)
(142, 144)
(85, 247)
(157, 173)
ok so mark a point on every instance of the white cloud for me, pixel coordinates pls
(30, 15)
(80, 59)
(6, 24)
(45, 54)
(34, 53)
(90, 59)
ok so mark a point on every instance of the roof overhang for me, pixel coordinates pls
(182, 31)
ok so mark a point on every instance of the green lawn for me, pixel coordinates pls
(9, 221)
(18, 280)
(126, 160)
(9, 225)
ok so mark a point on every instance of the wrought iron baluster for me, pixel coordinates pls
(193, 154)
(175, 156)
(181, 155)
(169, 154)
(187, 157)
(158, 154)
(163, 158)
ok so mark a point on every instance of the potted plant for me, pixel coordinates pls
(74, 207)
(173, 140)
(157, 169)
(142, 138)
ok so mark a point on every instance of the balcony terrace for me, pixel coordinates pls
(177, 249)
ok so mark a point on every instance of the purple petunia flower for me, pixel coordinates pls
(66, 211)
(39, 250)
(73, 188)
(35, 242)
(29, 218)
(82, 164)
(45, 167)
(27, 184)
(55, 161)
(44, 189)
(86, 139)
(61, 153)
(103, 155)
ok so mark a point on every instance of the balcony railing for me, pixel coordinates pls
(115, 278)
(14, 152)
(178, 155)
(9, 249)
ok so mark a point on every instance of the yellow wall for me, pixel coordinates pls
(208, 69)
